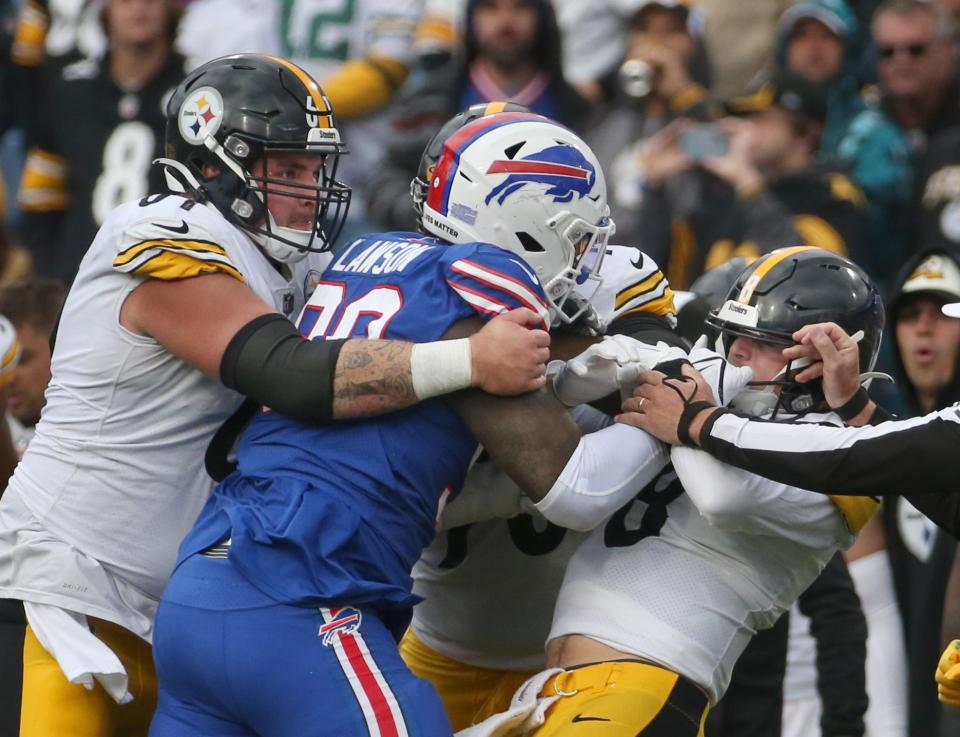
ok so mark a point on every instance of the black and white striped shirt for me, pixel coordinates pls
(910, 457)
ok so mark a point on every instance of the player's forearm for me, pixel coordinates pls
(605, 471)
(886, 459)
(503, 357)
(373, 377)
(530, 437)
(731, 498)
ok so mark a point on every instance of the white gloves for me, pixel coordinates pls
(486, 494)
(614, 364)
(725, 380)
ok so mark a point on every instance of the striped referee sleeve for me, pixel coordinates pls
(907, 457)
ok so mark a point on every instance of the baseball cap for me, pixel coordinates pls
(820, 11)
(632, 8)
(785, 90)
(938, 274)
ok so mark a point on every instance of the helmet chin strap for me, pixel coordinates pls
(755, 402)
(761, 398)
(278, 250)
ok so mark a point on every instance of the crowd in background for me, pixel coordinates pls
(726, 129)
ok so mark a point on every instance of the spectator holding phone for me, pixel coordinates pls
(664, 75)
(764, 189)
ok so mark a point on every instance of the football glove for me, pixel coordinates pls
(725, 380)
(614, 364)
(948, 675)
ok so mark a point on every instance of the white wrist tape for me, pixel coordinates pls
(441, 367)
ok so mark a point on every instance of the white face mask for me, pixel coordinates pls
(277, 249)
(756, 402)
(761, 398)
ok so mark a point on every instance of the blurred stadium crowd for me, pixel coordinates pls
(726, 129)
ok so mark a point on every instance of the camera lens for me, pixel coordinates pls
(636, 78)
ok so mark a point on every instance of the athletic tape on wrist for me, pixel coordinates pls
(853, 406)
(441, 367)
(690, 411)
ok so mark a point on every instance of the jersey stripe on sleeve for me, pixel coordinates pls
(489, 290)
(856, 510)
(652, 294)
(175, 259)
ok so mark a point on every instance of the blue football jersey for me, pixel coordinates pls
(338, 513)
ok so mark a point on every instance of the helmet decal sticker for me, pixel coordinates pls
(563, 168)
(202, 108)
(462, 212)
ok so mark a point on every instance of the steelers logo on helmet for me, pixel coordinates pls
(200, 114)
(241, 137)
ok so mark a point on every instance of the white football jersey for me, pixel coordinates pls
(472, 611)
(702, 558)
(115, 476)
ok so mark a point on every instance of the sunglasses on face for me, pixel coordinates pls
(914, 51)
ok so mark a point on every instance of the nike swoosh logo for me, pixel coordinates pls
(183, 227)
(579, 718)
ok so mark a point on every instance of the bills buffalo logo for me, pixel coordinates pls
(564, 169)
(343, 621)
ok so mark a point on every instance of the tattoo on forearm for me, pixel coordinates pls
(373, 377)
(357, 359)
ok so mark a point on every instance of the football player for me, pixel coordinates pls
(179, 309)
(294, 585)
(659, 601)
(853, 461)
(359, 50)
(478, 634)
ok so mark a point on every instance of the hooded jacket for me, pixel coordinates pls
(868, 142)
(921, 555)
(951, 392)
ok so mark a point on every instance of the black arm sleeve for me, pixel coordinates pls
(840, 630)
(269, 361)
(893, 458)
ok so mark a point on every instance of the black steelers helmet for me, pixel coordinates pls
(420, 186)
(230, 114)
(788, 288)
(713, 286)
(707, 293)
